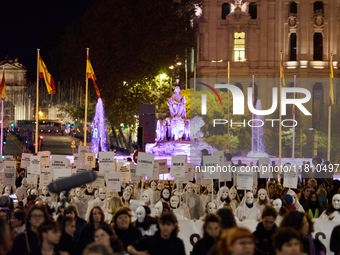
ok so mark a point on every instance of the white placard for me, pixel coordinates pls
(145, 163)
(90, 159)
(255, 182)
(99, 182)
(75, 159)
(1, 179)
(25, 160)
(106, 162)
(2, 165)
(178, 166)
(163, 166)
(113, 181)
(155, 172)
(211, 168)
(82, 168)
(134, 178)
(59, 161)
(244, 180)
(226, 173)
(45, 177)
(8, 158)
(81, 152)
(62, 173)
(265, 171)
(290, 177)
(44, 158)
(35, 164)
(220, 156)
(124, 169)
(10, 168)
(32, 178)
(185, 179)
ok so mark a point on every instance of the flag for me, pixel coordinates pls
(282, 75)
(90, 75)
(331, 86)
(43, 73)
(3, 86)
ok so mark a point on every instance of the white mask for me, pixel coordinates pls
(128, 189)
(336, 201)
(7, 190)
(232, 193)
(153, 186)
(146, 197)
(126, 195)
(160, 185)
(34, 192)
(174, 201)
(96, 193)
(254, 189)
(140, 213)
(225, 192)
(72, 193)
(24, 182)
(158, 208)
(211, 207)
(262, 194)
(190, 188)
(209, 188)
(78, 192)
(180, 188)
(249, 198)
(62, 196)
(89, 188)
(45, 191)
(277, 204)
(166, 193)
(197, 189)
(102, 193)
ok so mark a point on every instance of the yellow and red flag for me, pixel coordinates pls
(3, 86)
(331, 87)
(43, 73)
(282, 75)
(90, 75)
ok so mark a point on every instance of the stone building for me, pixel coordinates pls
(250, 34)
(17, 104)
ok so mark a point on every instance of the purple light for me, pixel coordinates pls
(99, 129)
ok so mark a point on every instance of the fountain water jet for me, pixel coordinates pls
(99, 129)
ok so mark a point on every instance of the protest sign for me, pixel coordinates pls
(106, 162)
(178, 166)
(145, 163)
(113, 181)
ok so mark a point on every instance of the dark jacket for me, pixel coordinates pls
(155, 245)
(80, 224)
(128, 236)
(24, 243)
(37, 251)
(86, 237)
(319, 247)
(203, 246)
(264, 239)
(334, 244)
(67, 244)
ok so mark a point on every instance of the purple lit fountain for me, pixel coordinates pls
(258, 147)
(99, 129)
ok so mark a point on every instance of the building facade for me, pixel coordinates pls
(251, 35)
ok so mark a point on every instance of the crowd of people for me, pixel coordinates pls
(145, 220)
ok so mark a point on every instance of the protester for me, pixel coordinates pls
(322, 193)
(211, 232)
(49, 235)
(302, 222)
(5, 241)
(227, 218)
(287, 241)
(312, 206)
(304, 195)
(71, 211)
(66, 242)
(96, 220)
(96, 249)
(264, 231)
(164, 242)
(18, 220)
(104, 235)
(25, 242)
(123, 227)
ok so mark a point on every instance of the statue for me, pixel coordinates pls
(177, 104)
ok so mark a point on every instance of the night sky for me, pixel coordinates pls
(26, 25)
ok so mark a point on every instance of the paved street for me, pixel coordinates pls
(56, 143)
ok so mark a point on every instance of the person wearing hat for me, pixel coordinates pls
(123, 227)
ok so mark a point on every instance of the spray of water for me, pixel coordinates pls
(99, 129)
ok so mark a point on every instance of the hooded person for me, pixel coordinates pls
(247, 210)
(262, 199)
(333, 210)
(193, 201)
(296, 202)
(146, 224)
(222, 197)
(234, 198)
(289, 202)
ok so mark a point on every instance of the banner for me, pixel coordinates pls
(32, 178)
(44, 158)
(163, 166)
(290, 177)
(106, 162)
(145, 164)
(210, 169)
(90, 159)
(62, 173)
(25, 160)
(244, 180)
(99, 182)
(10, 169)
(35, 164)
(178, 166)
(113, 182)
(8, 158)
(82, 168)
(81, 152)
(124, 169)
(45, 177)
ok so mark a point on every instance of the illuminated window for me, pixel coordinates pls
(239, 47)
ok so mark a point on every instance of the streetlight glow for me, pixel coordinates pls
(163, 76)
(179, 63)
(171, 67)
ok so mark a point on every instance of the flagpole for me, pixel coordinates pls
(293, 147)
(2, 116)
(228, 106)
(37, 105)
(252, 115)
(280, 128)
(329, 114)
(86, 92)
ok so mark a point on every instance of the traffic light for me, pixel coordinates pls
(12, 124)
